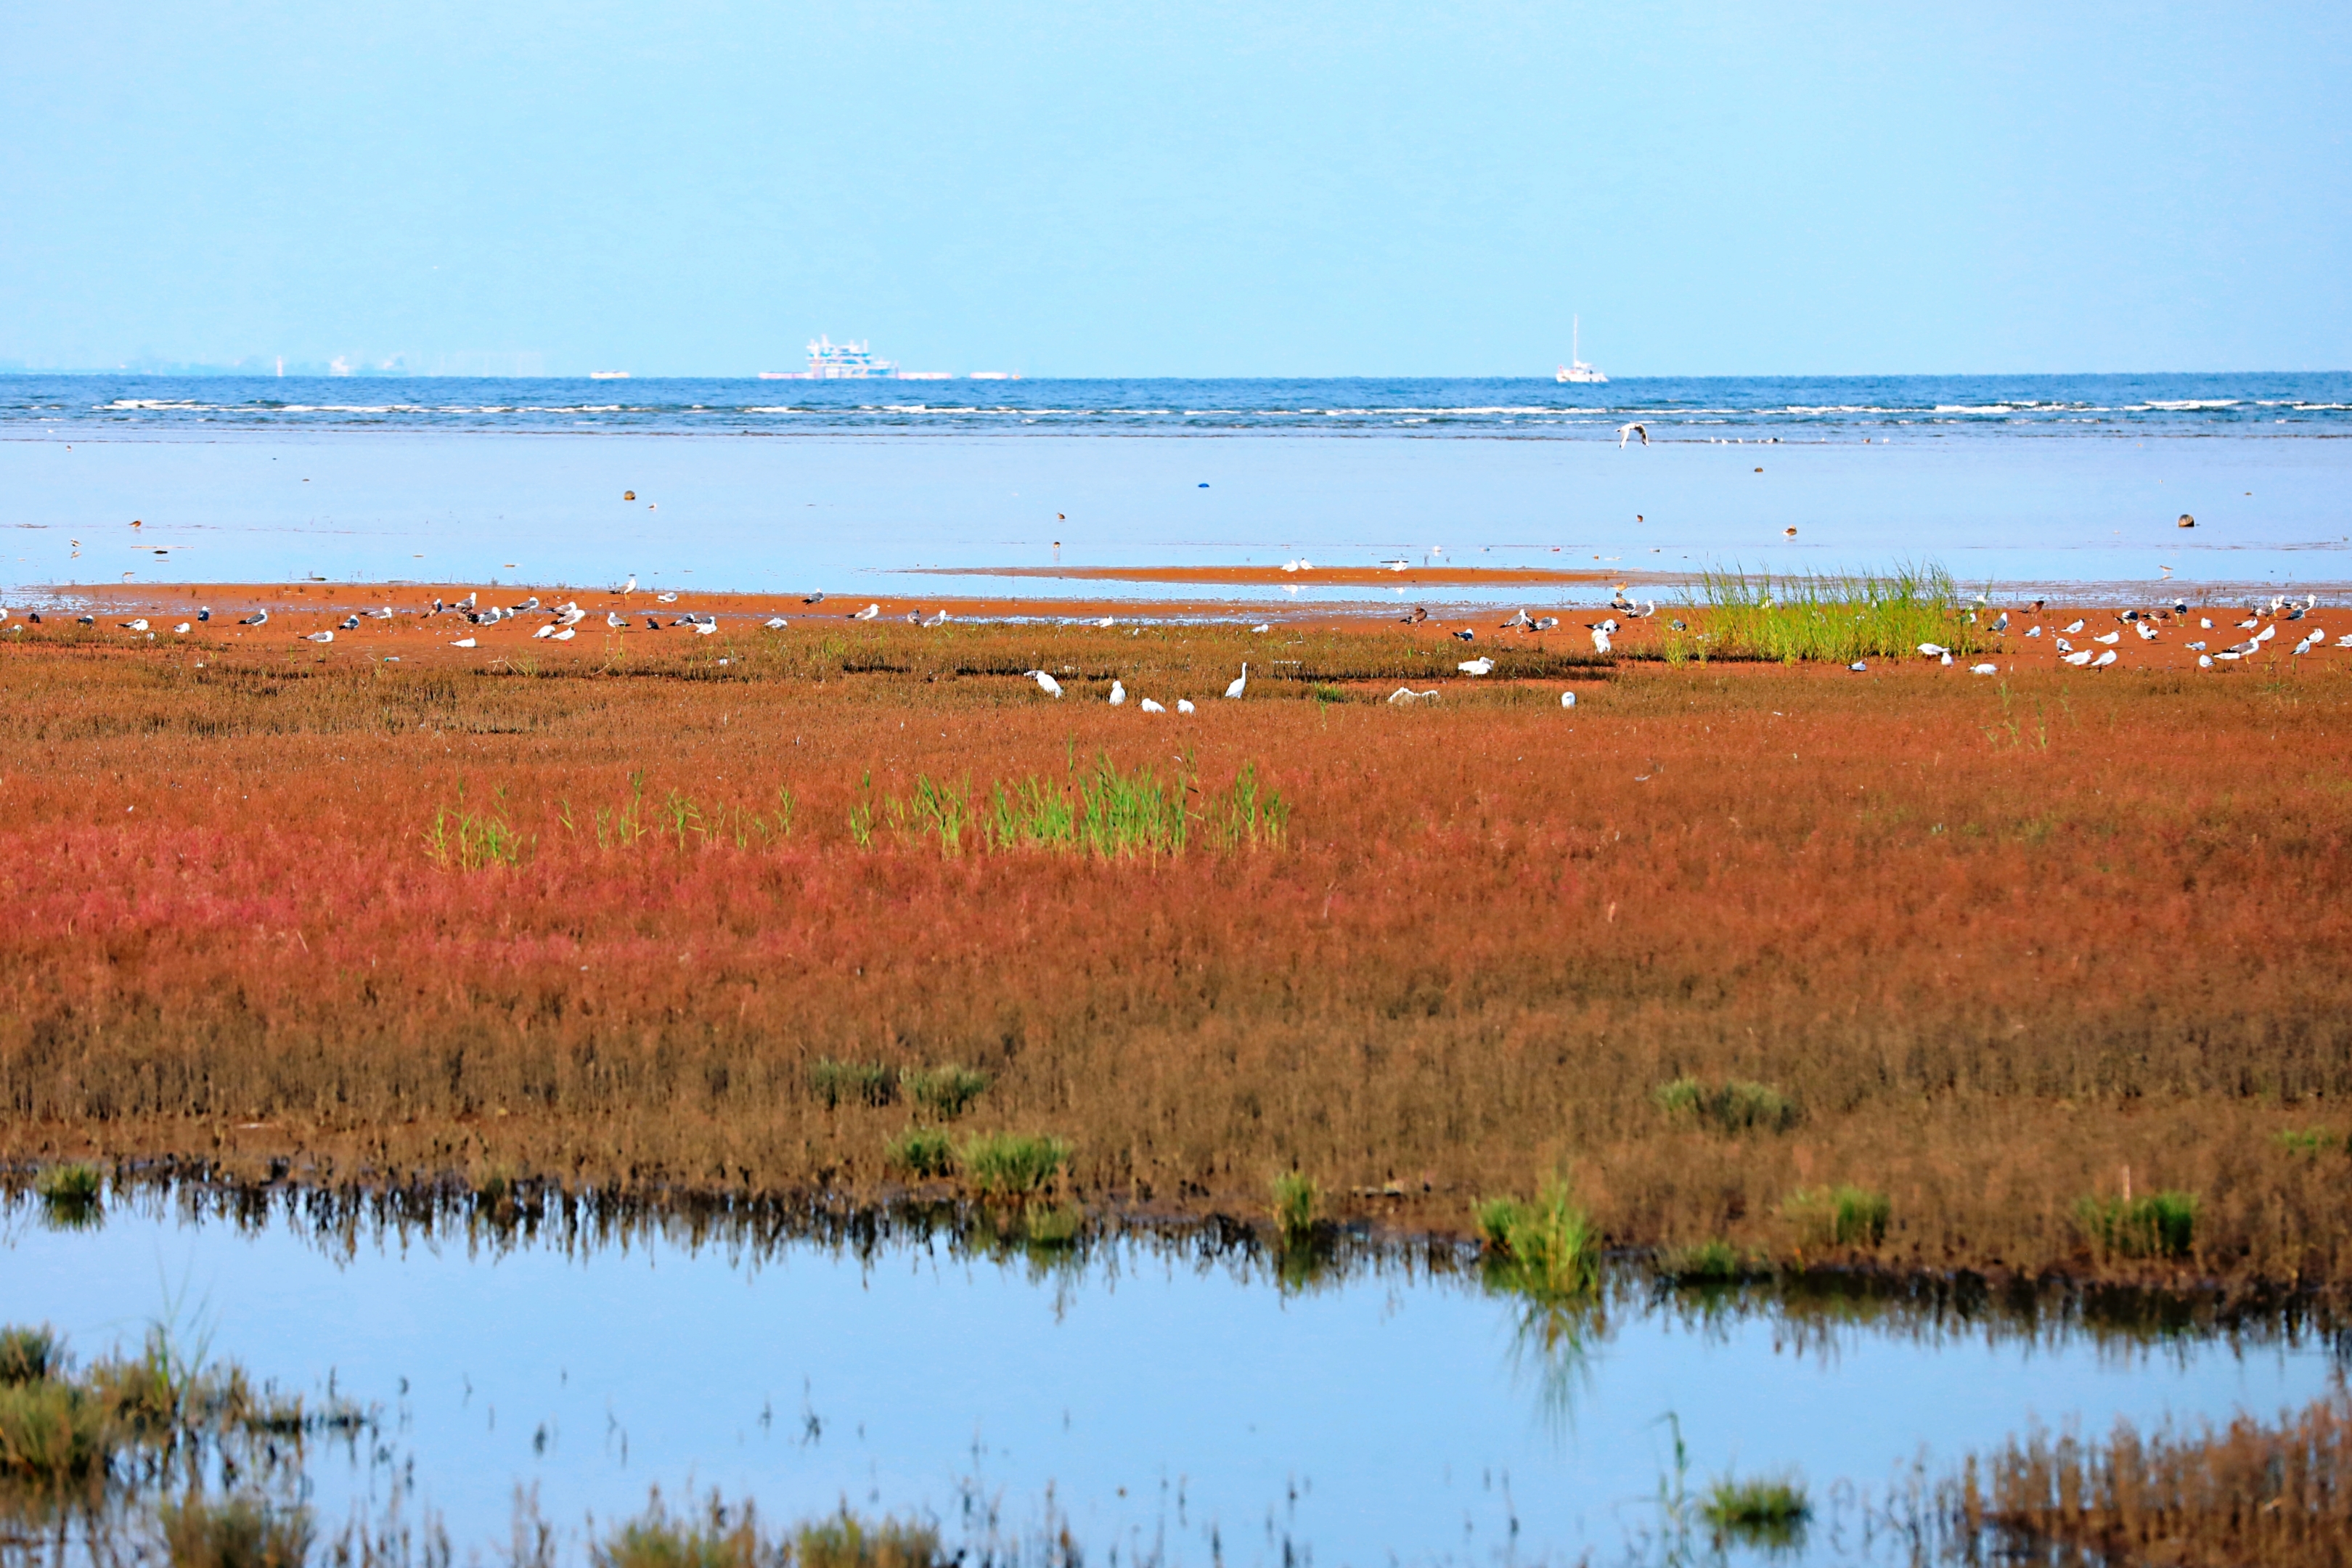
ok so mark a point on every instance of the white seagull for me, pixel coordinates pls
(179, 630)
(1624, 431)
(2104, 661)
(1479, 665)
(1151, 706)
(320, 637)
(138, 626)
(258, 618)
(615, 619)
(867, 613)
(775, 623)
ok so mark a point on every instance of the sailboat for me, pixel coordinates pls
(1576, 369)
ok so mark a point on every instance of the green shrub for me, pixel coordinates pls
(2309, 1141)
(2161, 1225)
(1759, 1513)
(1011, 1164)
(1736, 1106)
(1839, 1216)
(75, 1182)
(1296, 1199)
(659, 1538)
(52, 1431)
(851, 1083)
(845, 1541)
(235, 1532)
(946, 1092)
(922, 1152)
(30, 1355)
(1548, 1249)
(1708, 1263)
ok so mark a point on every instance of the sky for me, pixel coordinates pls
(1191, 190)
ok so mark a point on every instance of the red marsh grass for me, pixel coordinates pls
(2004, 948)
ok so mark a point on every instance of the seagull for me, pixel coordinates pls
(2104, 661)
(2266, 633)
(914, 617)
(138, 626)
(628, 588)
(2108, 638)
(467, 602)
(2204, 661)
(179, 630)
(938, 620)
(1624, 431)
(1984, 669)
(2001, 622)
(1046, 683)
(704, 628)
(1183, 705)
(1260, 627)
(2079, 659)
(2075, 627)
(813, 598)
(1947, 659)
(1151, 706)
(1521, 619)
(1118, 692)
(570, 614)
(1106, 621)
(204, 613)
(2146, 632)
(2034, 632)
(1859, 667)
(1568, 699)
(349, 624)
(1935, 650)
(2198, 646)
(86, 620)
(1601, 638)
(546, 631)
(1546, 623)
(2064, 646)
(382, 614)
(531, 604)
(2305, 645)
(775, 623)
(1467, 634)
(567, 633)
(320, 637)
(668, 598)
(867, 613)
(617, 621)
(258, 618)
(653, 623)
(462, 642)
(1480, 666)
(1406, 695)
(1240, 683)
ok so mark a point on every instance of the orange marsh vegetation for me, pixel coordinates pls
(2010, 952)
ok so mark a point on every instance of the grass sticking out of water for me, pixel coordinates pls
(946, 1092)
(1548, 1249)
(1053, 1224)
(1295, 1200)
(1736, 1106)
(29, 1355)
(1767, 1513)
(1836, 619)
(846, 1541)
(69, 1195)
(1839, 1216)
(835, 1083)
(234, 1533)
(1711, 1262)
(923, 1153)
(2160, 1225)
(1011, 1164)
(716, 1536)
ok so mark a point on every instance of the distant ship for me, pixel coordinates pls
(608, 375)
(1576, 369)
(830, 361)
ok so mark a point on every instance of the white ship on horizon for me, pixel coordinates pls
(1576, 370)
(830, 361)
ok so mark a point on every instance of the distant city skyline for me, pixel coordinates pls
(1205, 191)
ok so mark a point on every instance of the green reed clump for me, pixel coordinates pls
(838, 1083)
(1767, 1513)
(923, 1153)
(1131, 814)
(2159, 1224)
(1033, 814)
(69, 1195)
(1010, 1164)
(29, 1355)
(1548, 1249)
(1247, 814)
(1296, 1199)
(1837, 619)
(846, 1541)
(2310, 1143)
(1839, 1216)
(235, 1532)
(1712, 1262)
(53, 1430)
(936, 810)
(716, 1536)
(946, 1092)
(463, 839)
(1736, 1106)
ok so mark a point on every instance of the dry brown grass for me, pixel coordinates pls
(2253, 1493)
(1999, 943)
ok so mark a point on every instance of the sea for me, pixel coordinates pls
(964, 488)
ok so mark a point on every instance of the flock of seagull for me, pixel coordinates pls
(2147, 625)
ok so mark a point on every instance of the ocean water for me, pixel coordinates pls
(2019, 484)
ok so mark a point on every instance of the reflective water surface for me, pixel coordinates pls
(1180, 1394)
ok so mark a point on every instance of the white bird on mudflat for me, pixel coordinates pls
(1479, 665)
(2344, 641)
(669, 597)
(258, 618)
(867, 613)
(1601, 639)
(2079, 659)
(179, 630)
(348, 623)
(570, 615)
(2001, 622)
(462, 642)
(617, 621)
(775, 623)
(1984, 669)
(382, 614)
(318, 636)
(1546, 623)
(2104, 661)
(2197, 646)
(1623, 431)
(525, 607)
(704, 628)
(1521, 619)
(2305, 645)
(1262, 628)
(1046, 683)
(2075, 628)
(467, 602)
(817, 599)
(1945, 661)
(2267, 633)
(546, 631)
(1149, 706)
(1568, 699)
(138, 626)
(1118, 692)
(2204, 661)
(2146, 632)
(565, 634)
(1405, 695)
(2109, 639)
(1933, 649)
(938, 620)
(1104, 622)
(2035, 632)
(1241, 683)
(2064, 646)
(1183, 705)
(629, 587)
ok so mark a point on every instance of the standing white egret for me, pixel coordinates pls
(1046, 683)
(1241, 683)
(1183, 705)
(1118, 692)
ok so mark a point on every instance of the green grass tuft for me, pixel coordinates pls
(1707, 1263)
(30, 1355)
(1736, 1106)
(1053, 1224)
(923, 1153)
(1770, 1513)
(851, 1083)
(1296, 1199)
(1840, 1216)
(52, 1432)
(1011, 1164)
(66, 1186)
(2161, 1225)
(2311, 1142)
(847, 1542)
(1831, 618)
(234, 1533)
(716, 1538)
(946, 1092)
(1548, 1249)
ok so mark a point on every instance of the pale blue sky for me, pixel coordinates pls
(1191, 190)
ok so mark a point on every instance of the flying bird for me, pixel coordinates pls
(1626, 431)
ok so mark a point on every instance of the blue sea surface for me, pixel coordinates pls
(2014, 484)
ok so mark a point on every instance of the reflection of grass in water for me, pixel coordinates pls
(237, 1532)
(1767, 1513)
(70, 1196)
(1553, 1343)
